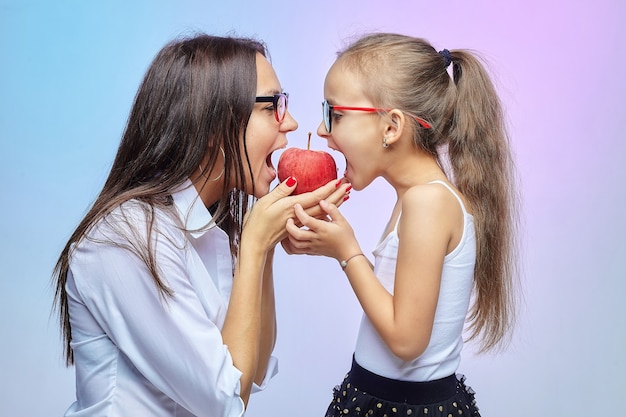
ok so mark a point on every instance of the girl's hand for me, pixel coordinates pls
(332, 237)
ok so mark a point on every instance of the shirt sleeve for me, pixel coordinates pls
(272, 370)
(171, 340)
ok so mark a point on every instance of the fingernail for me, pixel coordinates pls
(338, 183)
(291, 181)
(348, 188)
(346, 198)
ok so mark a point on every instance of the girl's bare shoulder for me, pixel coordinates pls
(428, 196)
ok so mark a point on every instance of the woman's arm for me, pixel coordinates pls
(242, 326)
(268, 320)
(250, 328)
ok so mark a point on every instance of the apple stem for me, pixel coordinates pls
(308, 144)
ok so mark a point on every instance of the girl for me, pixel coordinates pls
(165, 289)
(394, 111)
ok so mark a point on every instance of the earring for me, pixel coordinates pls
(221, 173)
(385, 144)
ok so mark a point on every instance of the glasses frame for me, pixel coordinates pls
(328, 108)
(275, 100)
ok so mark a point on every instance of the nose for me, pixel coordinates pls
(289, 124)
(321, 131)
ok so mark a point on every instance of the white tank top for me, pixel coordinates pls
(443, 354)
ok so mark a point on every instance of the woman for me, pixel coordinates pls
(165, 289)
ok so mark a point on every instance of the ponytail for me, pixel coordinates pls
(483, 170)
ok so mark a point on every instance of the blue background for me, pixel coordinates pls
(69, 71)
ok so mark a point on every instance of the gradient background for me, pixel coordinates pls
(69, 71)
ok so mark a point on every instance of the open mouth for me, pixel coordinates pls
(270, 164)
(268, 160)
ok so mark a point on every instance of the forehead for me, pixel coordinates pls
(267, 81)
(343, 86)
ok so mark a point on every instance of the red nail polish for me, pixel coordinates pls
(348, 188)
(346, 198)
(338, 183)
(291, 181)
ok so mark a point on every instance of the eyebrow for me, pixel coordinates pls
(271, 92)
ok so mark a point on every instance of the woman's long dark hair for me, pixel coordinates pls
(195, 99)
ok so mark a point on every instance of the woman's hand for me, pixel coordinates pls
(333, 237)
(265, 221)
(337, 198)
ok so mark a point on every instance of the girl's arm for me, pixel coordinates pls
(404, 320)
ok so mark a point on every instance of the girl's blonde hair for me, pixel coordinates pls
(467, 122)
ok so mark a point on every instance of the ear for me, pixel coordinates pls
(394, 126)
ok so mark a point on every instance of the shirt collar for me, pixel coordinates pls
(193, 213)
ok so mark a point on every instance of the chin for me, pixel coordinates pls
(261, 190)
(358, 184)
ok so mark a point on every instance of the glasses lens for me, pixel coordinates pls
(281, 106)
(326, 115)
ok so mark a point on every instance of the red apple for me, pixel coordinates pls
(311, 168)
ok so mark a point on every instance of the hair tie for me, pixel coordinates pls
(446, 55)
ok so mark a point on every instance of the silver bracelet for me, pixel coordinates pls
(344, 263)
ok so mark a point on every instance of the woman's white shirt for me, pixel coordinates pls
(136, 351)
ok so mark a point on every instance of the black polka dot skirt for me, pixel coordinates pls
(363, 393)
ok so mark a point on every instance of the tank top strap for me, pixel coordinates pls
(395, 228)
(453, 193)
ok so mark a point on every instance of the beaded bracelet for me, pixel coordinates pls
(344, 263)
